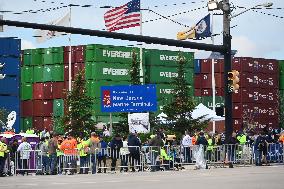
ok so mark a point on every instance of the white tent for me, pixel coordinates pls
(202, 110)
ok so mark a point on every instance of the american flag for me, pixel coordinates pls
(125, 16)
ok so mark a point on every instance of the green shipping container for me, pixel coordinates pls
(57, 72)
(37, 57)
(156, 57)
(208, 101)
(109, 54)
(114, 72)
(47, 56)
(26, 91)
(281, 82)
(89, 67)
(38, 74)
(47, 73)
(57, 55)
(281, 67)
(26, 123)
(166, 92)
(159, 74)
(27, 57)
(106, 119)
(27, 74)
(58, 108)
(94, 87)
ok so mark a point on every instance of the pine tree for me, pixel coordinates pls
(180, 108)
(122, 126)
(78, 120)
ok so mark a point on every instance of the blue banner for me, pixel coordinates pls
(129, 98)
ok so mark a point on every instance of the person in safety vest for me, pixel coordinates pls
(210, 147)
(242, 138)
(82, 147)
(167, 160)
(30, 131)
(3, 151)
(68, 147)
(94, 146)
(59, 155)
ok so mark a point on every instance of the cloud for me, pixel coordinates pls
(27, 44)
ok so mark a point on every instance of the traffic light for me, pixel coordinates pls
(2, 76)
(233, 79)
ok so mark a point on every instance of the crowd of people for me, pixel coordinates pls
(95, 150)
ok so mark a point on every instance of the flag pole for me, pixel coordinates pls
(70, 56)
(213, 75)
(141, 49)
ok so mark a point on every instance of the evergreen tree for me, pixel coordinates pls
(180, 108)
(78, 120)
(122, 126)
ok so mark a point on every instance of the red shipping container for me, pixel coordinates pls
(38, 123)
(197, 81)
(218, 80)
(66, 72)
(206, 92)
(243, 64)
(237, 124)
(268, 81)
(206, 66)
(43, 108)
(256, 95)
(267, 66)
(42, 90)
(237, 110)
(47, 123)
(27, 108)
(197, 92)
(58, 90)
(78, 67)
(66, 85)
(206, 81)
(219, 91)
(78, 54)
(219, 66)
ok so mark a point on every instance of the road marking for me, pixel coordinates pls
(29, 184)
(59, 183)
(88, 182)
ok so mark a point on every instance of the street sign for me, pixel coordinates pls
(128, 98)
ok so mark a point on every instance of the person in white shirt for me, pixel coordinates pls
(187, 143)
(24, 150)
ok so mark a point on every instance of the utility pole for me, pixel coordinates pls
(227, 68)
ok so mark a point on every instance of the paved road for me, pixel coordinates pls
(238, 178)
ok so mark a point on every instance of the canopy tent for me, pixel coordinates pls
(208, 114)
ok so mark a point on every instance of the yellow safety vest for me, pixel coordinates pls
(81, 148)
(164, 155)
(59, 152)
(210, 145)
(3, 149)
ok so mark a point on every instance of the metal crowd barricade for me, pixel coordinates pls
(100, 157)
(28, 161)
(167, 163)
(275, 153)
(131, 157)
(151, 158)
(68, 161)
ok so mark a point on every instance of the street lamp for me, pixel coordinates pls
(227, 39)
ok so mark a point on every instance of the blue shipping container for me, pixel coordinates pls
(11, 103)
(10, 47)
(10, 86)
(11, 67)
(197, 66)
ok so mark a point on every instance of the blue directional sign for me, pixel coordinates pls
(128, 98)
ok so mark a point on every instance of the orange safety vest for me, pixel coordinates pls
(281, 139)
(69, 147)
(193, 140)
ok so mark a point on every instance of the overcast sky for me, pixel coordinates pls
(255, 34)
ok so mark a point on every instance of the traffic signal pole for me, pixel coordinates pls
(227, 68)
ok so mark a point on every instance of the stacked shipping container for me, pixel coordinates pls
(42, 86)
(256, 102)
(161, 68)
(10, 50)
